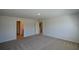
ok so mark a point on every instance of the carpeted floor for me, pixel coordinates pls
(39, 42)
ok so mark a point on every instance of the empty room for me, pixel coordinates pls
(39, 29)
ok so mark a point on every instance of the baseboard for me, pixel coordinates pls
(7, 40)
(43, 35)
(61, 39)
(16, 39)
(30, 35)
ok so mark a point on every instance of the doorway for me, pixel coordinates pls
(40, 28)
(20, 30)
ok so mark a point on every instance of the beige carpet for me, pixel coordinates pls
(39, 42)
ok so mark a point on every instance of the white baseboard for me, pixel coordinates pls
(62, 38)
(16, 39)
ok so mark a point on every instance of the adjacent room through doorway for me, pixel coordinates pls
(41, 27)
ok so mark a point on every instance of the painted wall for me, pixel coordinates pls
(29, 27)
(8, 28)
(64, 27)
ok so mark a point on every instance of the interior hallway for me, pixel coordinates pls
(39, 42)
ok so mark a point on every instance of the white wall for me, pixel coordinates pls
(29, 27)
(8, 28)
(64, 27)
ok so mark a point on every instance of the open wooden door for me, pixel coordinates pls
(20, 30)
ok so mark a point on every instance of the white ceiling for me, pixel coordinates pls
(32, 13)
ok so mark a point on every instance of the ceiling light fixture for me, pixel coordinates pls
(38, 14)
